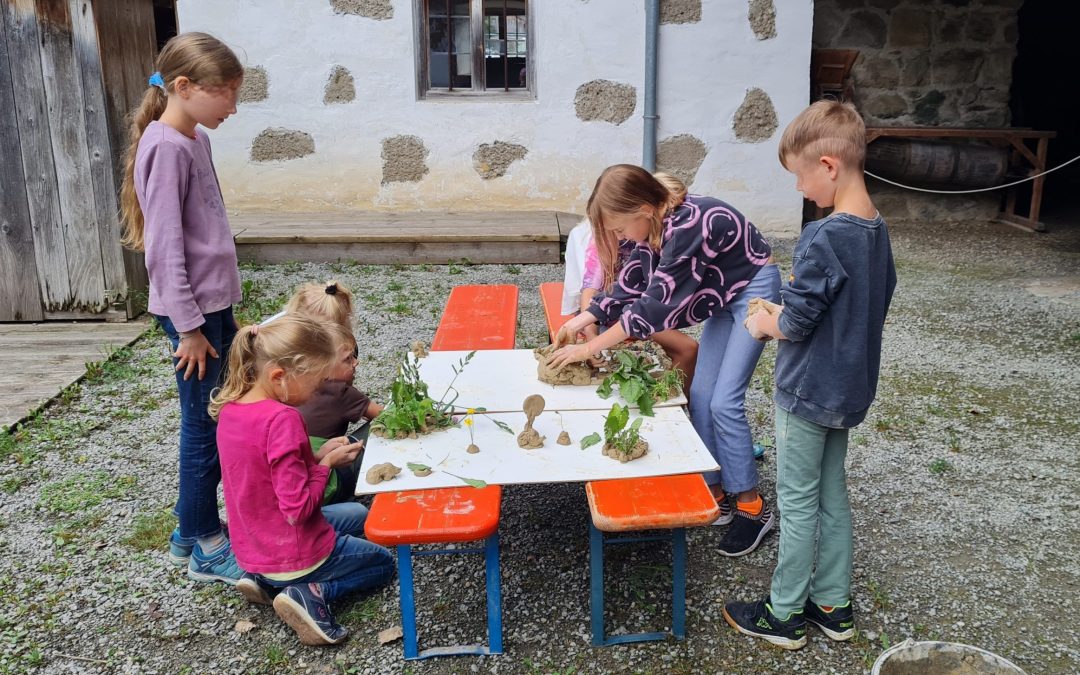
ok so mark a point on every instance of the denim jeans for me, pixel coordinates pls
(200, 472)
(727, 356)
(816, 540)
(346, 517)
(354, 565)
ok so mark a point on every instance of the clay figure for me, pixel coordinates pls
(564, 438)
(382, 472)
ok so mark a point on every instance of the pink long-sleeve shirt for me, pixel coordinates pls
(273, 488)
(190, 254)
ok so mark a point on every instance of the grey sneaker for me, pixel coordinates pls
(727, 512)
(254, 590)
(303, 608)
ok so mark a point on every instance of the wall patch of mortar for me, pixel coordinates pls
(762, 15)
(278, 144)
(404, 159)
(605, 101)
(681, 156)
(680, 11)
(755, 120)
(491, 160)
(256, 86)
(380, 10)
(340, 88)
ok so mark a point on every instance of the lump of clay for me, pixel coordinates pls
(761, 305)
(639, 450)
(572, 373)
(382, 472)
(564, 438)
(472, 449)
(419, 349)
(530, 439)
(420, 472)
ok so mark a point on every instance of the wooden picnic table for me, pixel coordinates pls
(1015, 138)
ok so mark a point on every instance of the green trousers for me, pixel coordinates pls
(815, 529)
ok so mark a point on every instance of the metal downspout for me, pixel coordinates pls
(652, 38)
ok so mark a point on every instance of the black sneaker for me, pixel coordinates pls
(756, 619)
(308, 614)
(747, 531)
(254, 590)
(838, 623)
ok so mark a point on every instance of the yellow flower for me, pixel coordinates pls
(471, 411)
(468, 421)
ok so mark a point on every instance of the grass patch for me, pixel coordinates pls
(940, 466)
(82, 491)
(150, 530)
(360, 613)
(257, 303)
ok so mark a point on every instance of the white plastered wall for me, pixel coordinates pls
(705, 70)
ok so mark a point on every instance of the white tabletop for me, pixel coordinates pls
(500, 379)
(674, 448)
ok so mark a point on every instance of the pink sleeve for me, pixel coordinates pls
(298, 481)
(593, 276)
(167, 169)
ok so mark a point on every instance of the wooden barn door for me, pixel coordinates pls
(61, 130)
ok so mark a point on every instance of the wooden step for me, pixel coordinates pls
(376, 238)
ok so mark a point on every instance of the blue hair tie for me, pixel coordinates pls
(157, 81)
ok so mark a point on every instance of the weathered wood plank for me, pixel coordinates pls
(22, 37)
(99, 147)
(358, 227)
(567, 222)
(70, 155)
(408, 253)
(19, 297)
(30, 375)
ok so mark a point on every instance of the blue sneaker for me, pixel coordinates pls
(254, 590)
(180, 547)
(218, 566)
(308, 614)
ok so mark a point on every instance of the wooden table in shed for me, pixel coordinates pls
(1015, 138)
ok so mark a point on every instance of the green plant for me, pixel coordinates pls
(940, 466)
(616, 434)
(669, 385)
(411, 408)
(150, 530)
(512, 269)
(631, 374)
(81, 491)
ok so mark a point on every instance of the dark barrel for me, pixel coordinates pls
(935, 164)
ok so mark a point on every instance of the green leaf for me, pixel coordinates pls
(645, 404)
(413, 466)
(636, 425)
(625, 359)
(590, 440)
(632, 390)
(604, 390)
(503, 425)
(615, 420)
(469, 481)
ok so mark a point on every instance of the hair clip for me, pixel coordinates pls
(332, 289)
(254, 329)
(272, 318)
(157, 81)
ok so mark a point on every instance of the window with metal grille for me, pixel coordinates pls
(474, 47)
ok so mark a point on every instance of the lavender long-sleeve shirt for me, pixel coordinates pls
(709, 252)
(190, 254)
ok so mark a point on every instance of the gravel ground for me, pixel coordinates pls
(963, 481)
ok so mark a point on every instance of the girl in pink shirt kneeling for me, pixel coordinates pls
(283, 537)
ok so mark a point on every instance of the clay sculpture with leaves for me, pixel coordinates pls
(620, 442)
(411, 410)
(632, 374)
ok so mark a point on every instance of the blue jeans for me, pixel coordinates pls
(200, 472)
(727, 356)
(354, 565)
(346, 517)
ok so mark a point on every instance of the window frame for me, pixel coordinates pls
(422, 51)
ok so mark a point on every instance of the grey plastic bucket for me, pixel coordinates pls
(941, 658)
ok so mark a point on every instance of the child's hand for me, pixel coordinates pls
(339, 452)
(574, 353)
(373, 410)
(757, 325)
(192, 353)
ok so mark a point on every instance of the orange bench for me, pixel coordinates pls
(551, 294)
(475, 317)
(441, 516)
(478, 317)
(632, 504)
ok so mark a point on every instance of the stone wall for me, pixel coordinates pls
(926, 62)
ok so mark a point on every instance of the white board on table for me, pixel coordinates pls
(674, 448)
(500, 379)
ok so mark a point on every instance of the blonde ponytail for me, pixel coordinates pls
(298, 344)
(330, 302)
(204, 60)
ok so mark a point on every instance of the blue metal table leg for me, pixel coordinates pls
(494, 594)
(596, 582)
(408, 602)
(678, 585)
